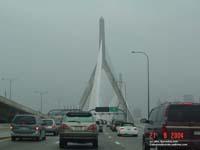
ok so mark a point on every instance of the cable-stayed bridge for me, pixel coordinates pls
(104, 89)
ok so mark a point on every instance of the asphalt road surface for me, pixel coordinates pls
(108, 140)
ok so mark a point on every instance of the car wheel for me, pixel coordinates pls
(145, 146)
(39, 138)
(62, 143)
(54, 134)
(13, 139)
(44, 138)
(119, 135)
(95, 143)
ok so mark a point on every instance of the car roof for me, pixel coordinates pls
(26, 115)
(127, 123)
(81, 114)
(48, 119)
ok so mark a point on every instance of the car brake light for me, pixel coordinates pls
(164, 129)
(92, 127)
(187, 103)
(121, 128)
(11, 127)
(64, 126)
(37, 128)
(54, 126)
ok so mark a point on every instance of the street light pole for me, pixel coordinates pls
(10, 86)
(148, 88)
(41, 98)
(122, 84)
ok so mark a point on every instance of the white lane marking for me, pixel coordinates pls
(116, 142)
(57, 142)
(109, 137)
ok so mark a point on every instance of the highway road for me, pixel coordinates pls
(108, 140)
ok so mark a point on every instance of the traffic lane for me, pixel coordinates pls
(29, 144)
(129, 142)
(52, 143)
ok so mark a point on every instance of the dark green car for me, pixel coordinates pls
(27, 126)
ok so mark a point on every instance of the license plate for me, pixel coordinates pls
(78, 128)
(23, 128)
(196, 132)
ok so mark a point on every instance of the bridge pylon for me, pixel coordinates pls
(95, 92)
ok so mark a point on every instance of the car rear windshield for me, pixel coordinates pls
(78, 119)
(183, 113)
(48, 122)
(25, 120)
(79, 114)
(128, 125)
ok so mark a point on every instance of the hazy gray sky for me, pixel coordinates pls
(53, 46)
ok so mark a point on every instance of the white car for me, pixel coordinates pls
(127, 129)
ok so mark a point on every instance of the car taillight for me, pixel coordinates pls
(37, 128)
(92, 127)
(121, 128)
(54, 126)
(164, 129)
(187, 103)
(11, 127)
(64, 126)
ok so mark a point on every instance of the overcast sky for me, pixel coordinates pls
(53, 46)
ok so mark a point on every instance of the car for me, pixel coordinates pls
(58, 123)
(176, 122)
(51, 126)
(104, 122)
(27, 126)
(111, 124)
(99, 125)
(108, 124)
(115, 124)
(78, 127)
(127, 128)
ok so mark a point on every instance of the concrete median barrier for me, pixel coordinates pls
(4, 131)
(4, 126)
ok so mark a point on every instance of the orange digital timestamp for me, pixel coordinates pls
(173, 135)
(177, 135)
